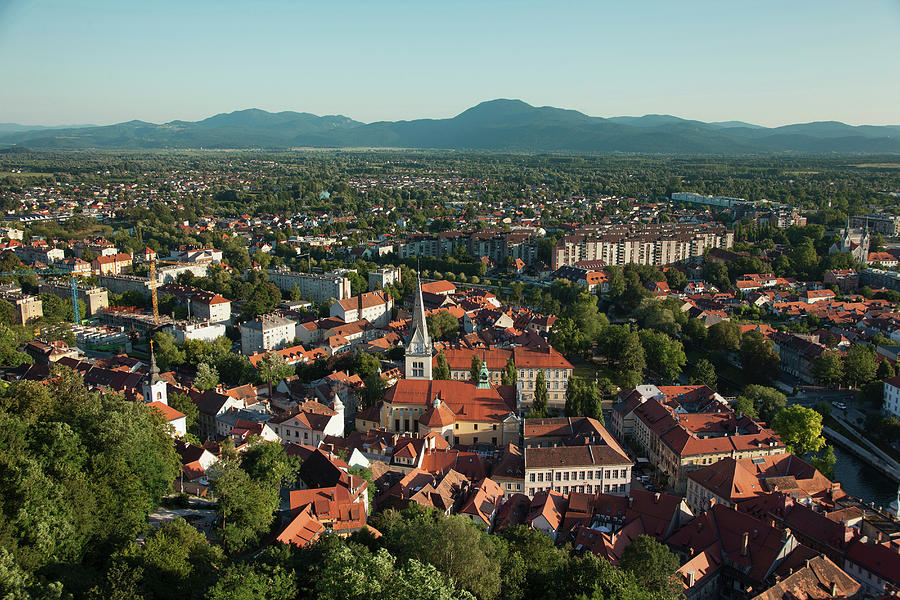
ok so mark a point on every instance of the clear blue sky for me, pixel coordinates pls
(768, 62)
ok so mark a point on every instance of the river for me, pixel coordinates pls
(860, 480)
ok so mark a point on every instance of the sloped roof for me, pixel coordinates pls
(303, 530)
(467, 402)
(818, 578)
(168, 413)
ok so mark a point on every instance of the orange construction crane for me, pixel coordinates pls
(153, 284)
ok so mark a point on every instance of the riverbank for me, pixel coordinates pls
(866, 455)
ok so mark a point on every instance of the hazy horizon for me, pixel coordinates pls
(771, 64)
(413, 118)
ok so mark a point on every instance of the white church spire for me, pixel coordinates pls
(419, 350)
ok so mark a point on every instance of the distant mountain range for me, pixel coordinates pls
(498, 125)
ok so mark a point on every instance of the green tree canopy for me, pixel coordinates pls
(510, 373)
(475, 368)
(653, 565)
(207, 377)
(442, 369)
(767, 401)
(583, 399)
(859, 365)
(828, 369)
(539, 402)
(442, 325)
(759, 358)
(704, 373)
(724, 335)
(664, 355)
(800, 429)
(246, 507)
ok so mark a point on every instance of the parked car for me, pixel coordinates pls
(839, 405)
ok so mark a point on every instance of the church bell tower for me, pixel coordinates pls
(419, 350)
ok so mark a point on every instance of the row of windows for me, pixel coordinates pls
(609, 488)
(285, 432)
(578, 475)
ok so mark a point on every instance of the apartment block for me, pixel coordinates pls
(313, 286)
(647, 244)
(266, 332)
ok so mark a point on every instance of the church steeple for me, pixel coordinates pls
(420, 349)
(154, 387)
(419, 325)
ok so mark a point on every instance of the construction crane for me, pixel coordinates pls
(153, 284)
(73, 284)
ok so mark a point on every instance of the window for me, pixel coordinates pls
(599, 474)
(540, 476)
(494, 427)
(531, 478)
(581, 475)
(558, 476)
(475, 440)
(418, 369)
(590, 474)
(456, 426)
(475, 427)
(566, 476)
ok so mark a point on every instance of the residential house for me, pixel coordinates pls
(546, 512)
(375, 307)
(818, 578)
(741, 551)
(113, 264)
(309, 423)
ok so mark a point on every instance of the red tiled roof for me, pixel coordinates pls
(466, 401)
(302, 530)
(168, 413)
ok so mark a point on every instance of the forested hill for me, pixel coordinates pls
(503, 125)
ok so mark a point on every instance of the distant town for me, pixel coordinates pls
(492, 377)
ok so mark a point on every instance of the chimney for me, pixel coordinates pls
(745, 543)
(690, 579)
